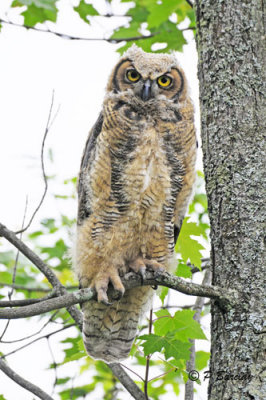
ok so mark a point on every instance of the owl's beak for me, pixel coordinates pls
(146, 90)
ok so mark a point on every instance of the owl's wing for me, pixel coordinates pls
(84, 210)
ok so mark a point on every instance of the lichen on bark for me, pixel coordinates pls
(231, 47)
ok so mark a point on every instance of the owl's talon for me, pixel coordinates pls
(117, 294)
(154, 265)
(102, 297)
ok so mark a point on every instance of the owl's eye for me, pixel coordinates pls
(164, 81)
(133, 75)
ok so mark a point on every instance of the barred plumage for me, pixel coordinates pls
(135, 181)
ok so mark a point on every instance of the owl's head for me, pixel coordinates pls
(148, 75)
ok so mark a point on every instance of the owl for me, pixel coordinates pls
(135, 181)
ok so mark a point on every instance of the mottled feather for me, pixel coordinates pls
(136, 178)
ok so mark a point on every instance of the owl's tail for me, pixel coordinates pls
(109, 331)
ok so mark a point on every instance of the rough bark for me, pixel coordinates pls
(231, 48)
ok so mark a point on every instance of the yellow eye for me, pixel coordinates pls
(133, 75)
(164, 81)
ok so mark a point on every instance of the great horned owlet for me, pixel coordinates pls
(135, 181)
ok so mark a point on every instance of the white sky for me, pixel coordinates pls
(32, 66)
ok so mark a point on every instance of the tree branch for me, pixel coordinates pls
(23, 382)
(71, 37)
(118, 371)
(26, 302)
(130, 385)
(47, 128)
(47, 336)
(36, 260)
(130, 280)
(190, 3)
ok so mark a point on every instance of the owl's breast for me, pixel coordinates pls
(147, 175)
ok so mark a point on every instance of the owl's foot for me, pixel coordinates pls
(140, 264)
(101, 282)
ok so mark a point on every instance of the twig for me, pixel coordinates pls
(131, 387)
(71, 37)
(23, 382)
(133, 372)
(37, 261)
(66, 300)
(26, 302)
(199, 303)
(47, 128)
(33, 334)
(190, 3)
(37, 339)
(165, 373)
(35, 289)
(10, 293)
(146, 381)
(54, 364)
(17, 256)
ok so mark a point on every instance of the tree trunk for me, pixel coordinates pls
(231, 46)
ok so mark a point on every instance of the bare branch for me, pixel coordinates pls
(130, 281)
(33, 334)
(48, 125)
(35, 289)
(190, 3)
(71, 37)
(26, 302)
(37, 339)
(65, 300)
(146, 381)
(23, 382)
(37, 261)
(131, 387)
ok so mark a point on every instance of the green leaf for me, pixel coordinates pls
(35, 234)
(49, 223)
(2, 397)
(84, 10)
(186, 327)
(127, 32)
(58, 250)
(190, 249)
(77, 392)
(181, 325)
(163, 293)
(138, 13)
(183, 270)
(173, 348)
(5, 277)
(37, 11)
(62, 381)
(201, 361)
(46, 4)
(6, 257)
(75, 352)
(160, 12)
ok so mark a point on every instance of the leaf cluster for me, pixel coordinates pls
(155, 26)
